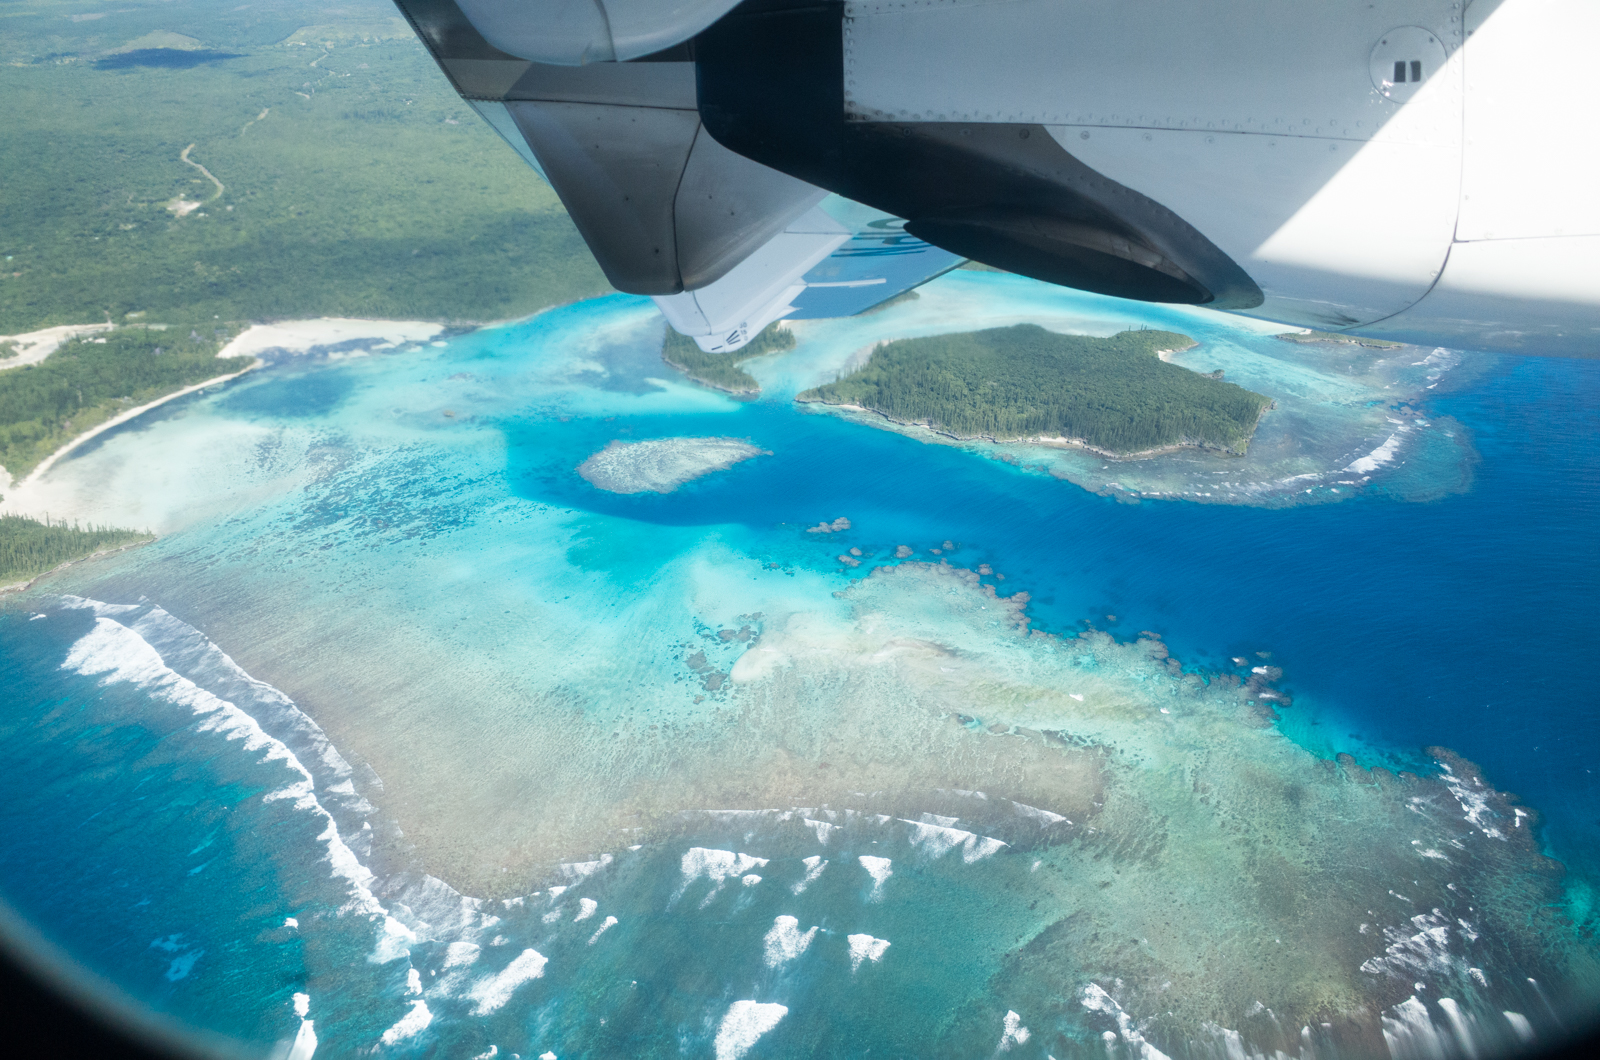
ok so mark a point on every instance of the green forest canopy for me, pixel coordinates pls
(29, 547)
(721, 370)
(1112, 393)
(355, 181)
(89, 380)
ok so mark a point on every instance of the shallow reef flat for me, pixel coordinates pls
(661, 465)
(912, 822)
(1220, 876)
(626, 775)
(1069, 828)
(1345, 418)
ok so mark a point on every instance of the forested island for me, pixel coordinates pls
(30, 547)
(297, 162)
(89, 380)
(721, 370)
(1313, 338)
(1113, 395)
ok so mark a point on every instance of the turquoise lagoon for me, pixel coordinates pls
(404, 737)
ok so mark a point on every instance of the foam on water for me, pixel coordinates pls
(814, 865)
(880, 870)
(1095, 999)
(937, 840)
(607, 746)
(605, 925)
(117, 653)
(930, 635)
(922, 634)
(786, 941)
(744, 1025)
(410, 1025)
(1013, 1033)
(305, 1042)
(866, 948)
(491, 992)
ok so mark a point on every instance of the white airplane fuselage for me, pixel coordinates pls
(1421, 170)
(1405, 169)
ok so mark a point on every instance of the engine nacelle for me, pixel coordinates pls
(1409, 170)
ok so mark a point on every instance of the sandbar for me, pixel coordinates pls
(35, 346)
(290, 336)
(661, 465)
(303, 336)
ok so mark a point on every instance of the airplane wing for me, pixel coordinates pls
(879, 261)
(1391, 170)
(839, 259)
(725, 244)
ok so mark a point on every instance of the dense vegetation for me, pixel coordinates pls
(1115, 394)
(29, 547)
(354, 181)
(721, 370)
(1308, 338)
(89, 380)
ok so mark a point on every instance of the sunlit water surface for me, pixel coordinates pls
(406, 736)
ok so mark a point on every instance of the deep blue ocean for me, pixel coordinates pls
(140, 843)
(1470, 621)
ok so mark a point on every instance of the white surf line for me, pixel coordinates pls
(114, 652)
(116, 421)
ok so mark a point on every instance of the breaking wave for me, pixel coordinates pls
(814, 905)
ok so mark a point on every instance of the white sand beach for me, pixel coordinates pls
(38, 494)
(304, 336)
(116, 421)
(35, 346)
